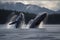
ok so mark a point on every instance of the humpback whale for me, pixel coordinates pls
(18, 21)
(33, 23)
(37, 20)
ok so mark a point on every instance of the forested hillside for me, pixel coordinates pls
(5, 13)
(51, 19)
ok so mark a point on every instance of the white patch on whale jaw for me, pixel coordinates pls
(10, 26)
(41, 25)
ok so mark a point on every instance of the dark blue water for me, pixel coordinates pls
(48, 32)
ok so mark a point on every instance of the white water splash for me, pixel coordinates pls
(23, 26)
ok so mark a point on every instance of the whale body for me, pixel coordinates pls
(19, 20)
(37, 20)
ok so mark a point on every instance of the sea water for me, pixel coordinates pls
(47, 32)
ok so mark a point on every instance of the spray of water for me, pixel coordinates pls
(29, 23)
(23, 26)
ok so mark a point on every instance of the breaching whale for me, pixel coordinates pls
(37, 20)
(18, 21)
(33, 23)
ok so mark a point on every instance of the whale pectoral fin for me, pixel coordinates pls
(13, 23)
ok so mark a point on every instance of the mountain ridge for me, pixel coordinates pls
(25, 8)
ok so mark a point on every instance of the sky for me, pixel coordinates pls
(50, 4)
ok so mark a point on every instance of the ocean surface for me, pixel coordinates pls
(47, 32)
